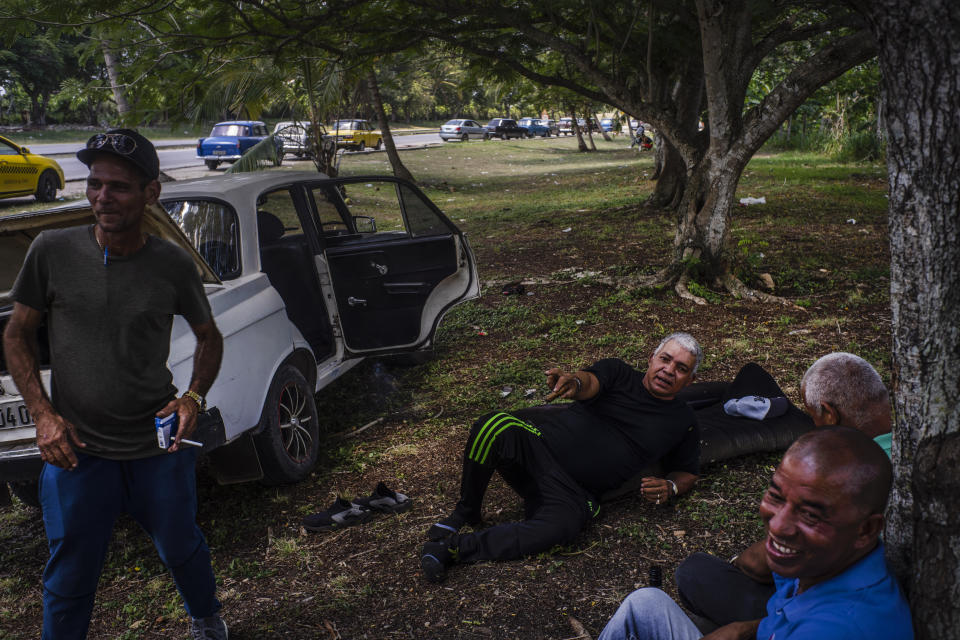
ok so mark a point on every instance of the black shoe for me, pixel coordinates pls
(448, 526)
(435, 558)
(340, 514)
(385, 500)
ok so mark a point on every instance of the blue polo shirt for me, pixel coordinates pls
(864, 602)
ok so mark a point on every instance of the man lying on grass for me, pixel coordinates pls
(839, 388)
(824, 514)
(561, 459)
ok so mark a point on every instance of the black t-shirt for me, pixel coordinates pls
(109, 330)
(605, 441)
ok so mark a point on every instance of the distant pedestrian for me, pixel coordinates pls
(109, 292)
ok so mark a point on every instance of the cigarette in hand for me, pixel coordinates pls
(192, 443)
(553, 395)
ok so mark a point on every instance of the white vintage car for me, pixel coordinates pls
(306, 276)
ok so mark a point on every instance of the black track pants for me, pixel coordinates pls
(722, 593)
(556, 507)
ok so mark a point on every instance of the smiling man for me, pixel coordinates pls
(559, 459)
(109, 292)
(824, 513)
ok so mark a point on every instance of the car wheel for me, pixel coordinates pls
(379, 144)
(486, 137)
(211, 164)
(464, 138)
(362, 146)
(47, 187)
(28, 492)
(288, 441)
(278, 160)
(530, 134)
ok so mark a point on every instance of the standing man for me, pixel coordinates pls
(839, 388)
(824, 513)
(110, 292)
(560, 459)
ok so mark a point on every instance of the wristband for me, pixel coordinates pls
(196, 397)
(673, 487)
(579, 384)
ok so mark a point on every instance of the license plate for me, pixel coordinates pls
(219, 152)
(13, 413)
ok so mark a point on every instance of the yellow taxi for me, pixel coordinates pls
(356, 134)
(23, 173)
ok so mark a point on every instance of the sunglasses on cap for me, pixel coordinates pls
(119, 142)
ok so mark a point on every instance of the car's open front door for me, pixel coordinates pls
(397, 264)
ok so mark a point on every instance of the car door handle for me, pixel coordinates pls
(356, 302)
(406, 287)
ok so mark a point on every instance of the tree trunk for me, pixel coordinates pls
(918, 46)
(581, 145)
(606, 136)
(670, 172)
(118, 91)
(593, 145)
(399, 169)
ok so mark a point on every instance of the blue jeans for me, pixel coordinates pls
(650, 614)
(79, 509)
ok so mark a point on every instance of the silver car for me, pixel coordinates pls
(463, 130)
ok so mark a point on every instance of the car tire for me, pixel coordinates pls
(486, 137)
(211, 164)
(379, 144)
(278, 160)
(362, 146)
(47, 186)
(288, 441)
(529, 134)
(464, 138)
(28, 492)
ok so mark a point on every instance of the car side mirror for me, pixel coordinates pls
(365, 224)
(24, 151)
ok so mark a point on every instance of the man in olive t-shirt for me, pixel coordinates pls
(109, 293)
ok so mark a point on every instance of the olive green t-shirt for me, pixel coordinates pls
(109, 323)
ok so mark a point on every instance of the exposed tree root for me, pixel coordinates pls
(579, 629)
(681, 290)
(737, 289)
(666, 277)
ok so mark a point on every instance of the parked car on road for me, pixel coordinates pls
(607, 124)
(552, 125)
(356, 135)
(228, 141)
(296, 137)
(535, 127)
(505, 128)
(463, 130)
(23, 173)
(303, 284)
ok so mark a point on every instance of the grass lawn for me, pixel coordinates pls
(533, 210)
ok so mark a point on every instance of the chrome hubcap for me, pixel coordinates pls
(295, 422)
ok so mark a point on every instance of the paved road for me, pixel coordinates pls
(177, 154)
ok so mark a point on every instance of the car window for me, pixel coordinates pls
(7, 150)
(260, 130)
(278, 205)
(228, 130)
(377, 201)
(212, 229)
(328, 215)
(421, 218)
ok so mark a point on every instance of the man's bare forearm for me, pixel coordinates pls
(20, 351)
(206, 357)
(753, 562)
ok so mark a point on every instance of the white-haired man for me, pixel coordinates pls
(839, 388)
(560, 460)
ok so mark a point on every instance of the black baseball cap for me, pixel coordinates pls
(126, 144)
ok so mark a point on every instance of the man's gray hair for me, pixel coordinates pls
(686, 341)
(848, 383)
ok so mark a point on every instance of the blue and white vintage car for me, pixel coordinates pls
(306, 276)
(228, 141)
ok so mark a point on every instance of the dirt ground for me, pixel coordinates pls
(280, 581)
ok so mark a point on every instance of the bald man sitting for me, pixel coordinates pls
(839, 388)
(824, 513)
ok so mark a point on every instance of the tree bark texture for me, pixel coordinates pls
(919, 46)
(399, 169)
(670, 172)
(110, 62)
